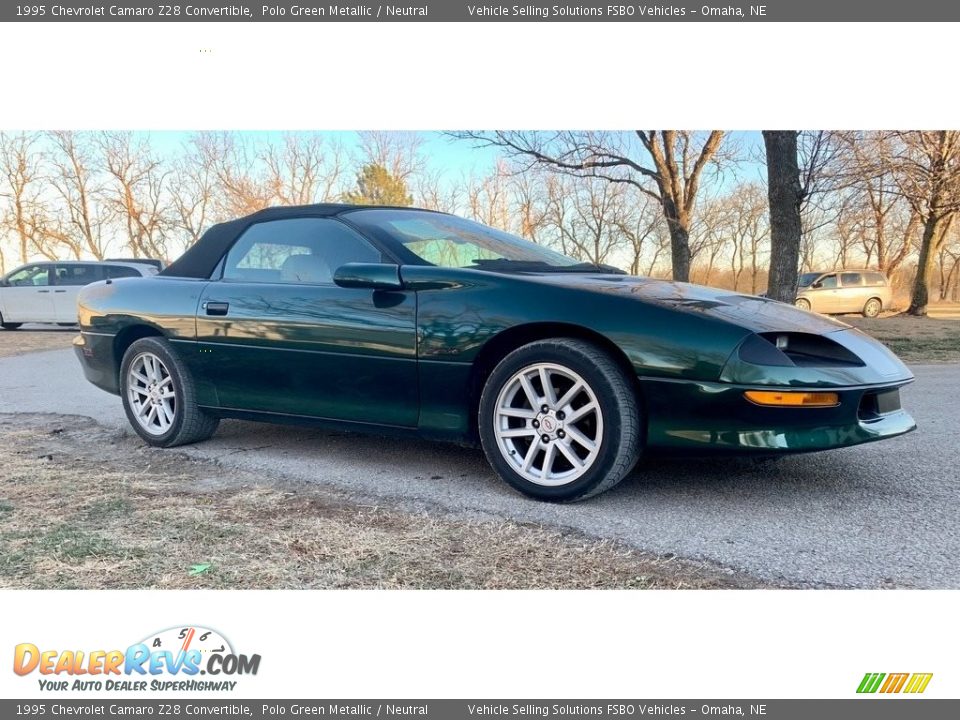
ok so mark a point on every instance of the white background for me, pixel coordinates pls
(436, 76)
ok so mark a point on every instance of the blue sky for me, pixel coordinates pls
(456, 156)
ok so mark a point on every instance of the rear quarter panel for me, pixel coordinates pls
(167, 304)
(114, 313)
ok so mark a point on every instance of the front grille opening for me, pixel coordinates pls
(876, 404)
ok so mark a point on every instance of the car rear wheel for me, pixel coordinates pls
(159, 396)
(559, 420)
(872, 308)
(802, 303)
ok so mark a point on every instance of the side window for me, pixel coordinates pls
(876, 279)
(851, 279)
(298, 250)
(828, 281)
(78, 274)
(120, 271)
(30, 276)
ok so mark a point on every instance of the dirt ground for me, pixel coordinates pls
(38, 337)
(917, 340)
(81, 507)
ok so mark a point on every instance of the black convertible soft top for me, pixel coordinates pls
(201, 258)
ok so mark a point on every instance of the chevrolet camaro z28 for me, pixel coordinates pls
(411, 321)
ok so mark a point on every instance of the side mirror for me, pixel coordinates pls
(371, 276)
(817, 284)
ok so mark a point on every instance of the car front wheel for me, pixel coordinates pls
(802, 303)
(559, 420)
(159, 396)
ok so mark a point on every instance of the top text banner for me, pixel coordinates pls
(455, 11)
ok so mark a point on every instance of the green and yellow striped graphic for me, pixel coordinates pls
(913, 683)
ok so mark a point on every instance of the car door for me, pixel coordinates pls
(67, 281)
(27, 296)
(276, 335)
(826, 294)
(852, 292)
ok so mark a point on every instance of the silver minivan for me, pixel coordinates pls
(844, 291)
(46, 292)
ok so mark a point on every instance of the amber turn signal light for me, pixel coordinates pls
(793, 399)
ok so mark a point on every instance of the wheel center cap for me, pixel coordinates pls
(548, 423)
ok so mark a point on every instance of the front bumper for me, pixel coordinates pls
(690, 416)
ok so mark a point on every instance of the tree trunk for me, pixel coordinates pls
(928, 256)
(784, 194)
(679, 251)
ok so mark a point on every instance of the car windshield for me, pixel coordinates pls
(806, 280)
(429, 238)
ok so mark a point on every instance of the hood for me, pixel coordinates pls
(748, 311)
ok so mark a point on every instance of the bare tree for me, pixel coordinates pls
(926, 167)
(892, 226)
(950, 265)
(748, 231)
(431, 191)
(643, 227)
(667, 165)
(303, 169)
(234, 163)
(193, 193)
(21, 168)
(488, 199)
(137, 192)
(398, 152)
(587, 217)
(81, 192)
(530, 204)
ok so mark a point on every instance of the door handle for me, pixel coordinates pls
(43, 291)
(59, 291)
(216, 308)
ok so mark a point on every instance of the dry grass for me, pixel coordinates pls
(914, 339)
(80, 508)
(19, 342)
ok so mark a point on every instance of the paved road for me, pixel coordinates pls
(877, 515)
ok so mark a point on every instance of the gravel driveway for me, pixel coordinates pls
(886, 514)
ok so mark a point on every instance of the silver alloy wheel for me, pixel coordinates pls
(872, 308)
(548, 424)
(151, 393)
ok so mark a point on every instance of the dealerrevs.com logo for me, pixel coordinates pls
(179, 659)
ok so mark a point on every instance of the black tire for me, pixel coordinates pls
(9, 326)
(621, 438)
(190, 424)
(872, 307)
(802, 303)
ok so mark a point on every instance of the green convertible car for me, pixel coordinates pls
(411, 321)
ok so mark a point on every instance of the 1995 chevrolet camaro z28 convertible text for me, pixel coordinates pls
(412, 321)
